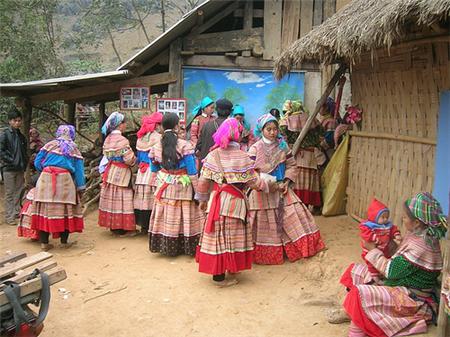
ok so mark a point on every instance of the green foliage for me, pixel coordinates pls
(195, 92)
(235, 95)
(278, 95)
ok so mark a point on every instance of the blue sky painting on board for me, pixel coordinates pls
(256, 91)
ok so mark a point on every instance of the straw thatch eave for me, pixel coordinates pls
(362, 26)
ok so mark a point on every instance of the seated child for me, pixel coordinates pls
(378, 229)
(24, 227)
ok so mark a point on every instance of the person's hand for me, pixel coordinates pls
(203, 205)
(273, 186)
(398, 239)
(283, 187)
(369, 245)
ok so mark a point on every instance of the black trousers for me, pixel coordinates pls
(219, 278)
(43, 236)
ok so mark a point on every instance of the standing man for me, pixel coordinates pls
(14, 159)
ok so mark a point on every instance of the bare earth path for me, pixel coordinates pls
(151, 295)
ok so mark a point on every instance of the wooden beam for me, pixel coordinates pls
(257, 13)
(11, 258)
(235, 40)
(329, 8)
(175, 68)
(248, 15)
(101, 119)
(306, 17)
(100, 89)
(162, 58)
(215, 19)
(318, 12)
(291, 23)
(23, 263)
(70, 112)
(26, 272)
(389, 136)
(322, 100)
(273, 12)
(240, 62)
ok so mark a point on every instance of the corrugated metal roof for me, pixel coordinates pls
(209, 8)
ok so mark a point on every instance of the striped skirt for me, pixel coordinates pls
(115, 209)
(294, 234)
(24, 227)
(175, 227)
(307, 186)
(377, 310)
(228, 249)
(144, 196)
(56, 217)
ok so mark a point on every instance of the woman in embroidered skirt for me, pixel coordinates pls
(405, 304)
(226, 244)
(281, 223)
(57, 207)
(148, 135)
(307, 182)
(175, 223)
(115, 209)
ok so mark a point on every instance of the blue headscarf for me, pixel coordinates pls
(65, 135)
(238, 110)
(113, 121)
(261, 122)
(203, 104)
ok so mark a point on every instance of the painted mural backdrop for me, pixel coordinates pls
(256, 91)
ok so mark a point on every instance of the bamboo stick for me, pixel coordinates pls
(389, 136)
(334, 80)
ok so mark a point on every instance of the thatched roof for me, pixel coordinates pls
(361, 26)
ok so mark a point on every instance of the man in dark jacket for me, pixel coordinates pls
(14, 160)
(205, 141)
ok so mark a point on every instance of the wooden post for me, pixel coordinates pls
(27, 112)
(248, 15)
(273, 11)
(175, 68)
(101, 119)
(322, 100)
(443, 319)
(70, 113)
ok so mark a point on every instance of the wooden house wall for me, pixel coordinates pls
(399, 95)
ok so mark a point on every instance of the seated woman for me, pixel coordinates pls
(405, 303)
(56, 207)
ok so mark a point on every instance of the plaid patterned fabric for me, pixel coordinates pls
(144, 196)
(116, 209)
(66, 192)
(426, 208)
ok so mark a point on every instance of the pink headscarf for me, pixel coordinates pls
(149, 123)
(229, 131)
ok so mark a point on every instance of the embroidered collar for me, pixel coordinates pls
(116, 132)
(266, 141)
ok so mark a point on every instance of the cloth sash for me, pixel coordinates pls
(54, 171)
(164, 186)
(110, 163)
(214, 211)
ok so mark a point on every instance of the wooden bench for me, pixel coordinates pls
(18, 267)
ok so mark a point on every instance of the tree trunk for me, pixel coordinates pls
(163, 16)
(141, 22)
(114, 46)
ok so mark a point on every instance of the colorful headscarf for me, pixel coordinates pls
(149, 123)
(424, 207)
(113, 121)
(229, 131)
(238, 110)
(291, 107)
(65, 135)
(261, 122)
(203, 104)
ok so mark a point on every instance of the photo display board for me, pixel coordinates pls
(134, 98)
(175, 105)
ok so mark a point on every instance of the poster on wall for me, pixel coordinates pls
(175, 105)
(256, 91)
(134, 98)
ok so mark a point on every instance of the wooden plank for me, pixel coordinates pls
(26, 288)
(235, 40)
(291, 23)
(248, 15)
(220, 61)
(23, 263)
(257, 13)
(11, 258)
(102, 89)
(175, 68)
(329, 8)
(341, 3)
(380, 135)
(215, 19)
(273, 10)
(317, 12)
(23, 274)
(162, 58)
(70, 112)
(306, 17)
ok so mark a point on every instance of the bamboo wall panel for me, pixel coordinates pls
(399, 95)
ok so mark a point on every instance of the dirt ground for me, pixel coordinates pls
(152, 295)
